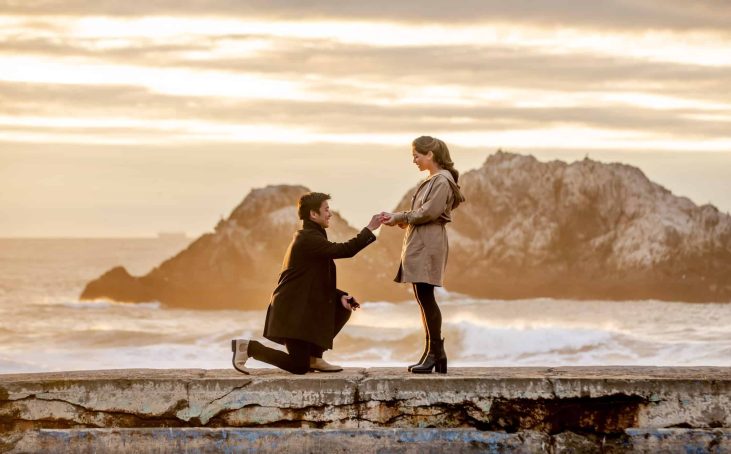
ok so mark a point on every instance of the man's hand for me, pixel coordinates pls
(375, 222)
(345, 300)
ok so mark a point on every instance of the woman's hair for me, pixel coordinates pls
(425, 144)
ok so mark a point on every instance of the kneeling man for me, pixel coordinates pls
(307, 311)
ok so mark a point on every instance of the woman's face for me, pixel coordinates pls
(422, 161)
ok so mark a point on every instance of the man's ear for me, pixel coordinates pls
(313, 212)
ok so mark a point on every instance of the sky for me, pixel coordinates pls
(126, 118)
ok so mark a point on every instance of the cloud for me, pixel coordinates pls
(202, 99)
(77, 102)
(609, 14)
(338, 63)
(335, 82)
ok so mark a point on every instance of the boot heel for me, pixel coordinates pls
(441, 366)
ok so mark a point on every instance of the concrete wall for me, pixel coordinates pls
(507, 408)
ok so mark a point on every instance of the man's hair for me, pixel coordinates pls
(310, 202)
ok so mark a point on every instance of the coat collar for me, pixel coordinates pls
(308, 224)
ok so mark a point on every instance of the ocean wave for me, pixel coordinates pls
(476, 341)
(70, 335)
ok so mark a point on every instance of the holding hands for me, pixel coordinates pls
(376, 222)
(384, 218)
(390, 220)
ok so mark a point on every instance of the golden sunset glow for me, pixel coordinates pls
(649, 78)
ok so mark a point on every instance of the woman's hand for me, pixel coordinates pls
(388, 218)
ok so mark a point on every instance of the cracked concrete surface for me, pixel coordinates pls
(593, 401)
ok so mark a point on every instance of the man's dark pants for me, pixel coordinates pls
(297, 358)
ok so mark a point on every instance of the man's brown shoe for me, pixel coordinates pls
(240, 348)
(320, 365)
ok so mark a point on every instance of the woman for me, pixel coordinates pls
(425, 248)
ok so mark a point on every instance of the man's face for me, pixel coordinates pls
(323, 216)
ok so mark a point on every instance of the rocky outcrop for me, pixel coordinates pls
(237, 265)
(585, 230)
(579, 409)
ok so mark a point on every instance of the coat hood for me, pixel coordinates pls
(458, 196)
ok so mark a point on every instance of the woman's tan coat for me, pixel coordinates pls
(425, 248)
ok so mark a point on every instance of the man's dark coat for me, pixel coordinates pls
(304, 303)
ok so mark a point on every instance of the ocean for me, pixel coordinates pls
(44, 326)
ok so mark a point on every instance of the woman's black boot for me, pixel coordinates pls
(423, 355)
(436, 359)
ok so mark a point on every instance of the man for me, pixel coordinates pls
(307, 311)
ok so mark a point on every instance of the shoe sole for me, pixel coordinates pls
(437, 370)
(233, 359)
(322, 370)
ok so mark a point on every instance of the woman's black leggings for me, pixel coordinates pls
(431, 316)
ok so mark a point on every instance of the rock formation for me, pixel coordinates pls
(584, 230)
(237, 266)
(529, 229)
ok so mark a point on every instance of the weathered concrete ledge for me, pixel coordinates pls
(586, 408)
(415, 441)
